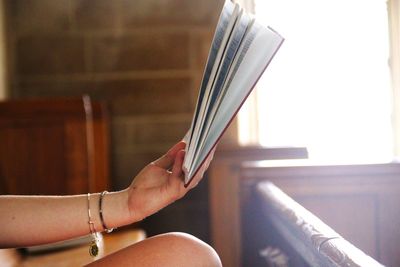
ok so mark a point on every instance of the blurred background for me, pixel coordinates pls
(331, 95)
(144, 58)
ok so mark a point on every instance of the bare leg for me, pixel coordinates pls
(172, 249)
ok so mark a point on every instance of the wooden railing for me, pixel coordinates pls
(315, 242)
(225, 198)
(360, 202)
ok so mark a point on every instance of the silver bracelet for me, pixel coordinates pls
(108, 230)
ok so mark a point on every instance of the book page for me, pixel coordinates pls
(260, 45)
(218, 39)
(218, 46)
(219, 88)
(249, 36)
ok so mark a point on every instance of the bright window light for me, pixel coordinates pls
(328, 88)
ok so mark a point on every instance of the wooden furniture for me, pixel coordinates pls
(74, 256)
(53, 146)
(296, 230)
(359, 201)
(224, 194)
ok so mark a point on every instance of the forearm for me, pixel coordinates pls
(32, 220)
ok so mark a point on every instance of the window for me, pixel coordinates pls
(328, 87)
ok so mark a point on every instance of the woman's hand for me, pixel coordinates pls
(160, 183)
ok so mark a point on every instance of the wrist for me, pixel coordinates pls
(115, 209)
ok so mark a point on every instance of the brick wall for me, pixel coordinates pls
(145, 57)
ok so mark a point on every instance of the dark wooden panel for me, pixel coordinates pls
(47, 147)
(32, 155)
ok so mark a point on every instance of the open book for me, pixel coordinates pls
(240, 52)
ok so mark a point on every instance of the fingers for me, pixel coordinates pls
(176, 183)
(177, 167)
(176, 186)
(177, 175)
(199, 175)
(167, 160)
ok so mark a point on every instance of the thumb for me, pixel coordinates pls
(177, 167)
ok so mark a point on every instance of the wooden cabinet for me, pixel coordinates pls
(53, 146)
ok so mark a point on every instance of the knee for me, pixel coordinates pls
(190, 248)
(172, 249)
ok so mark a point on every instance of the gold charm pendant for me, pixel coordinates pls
(94, 247)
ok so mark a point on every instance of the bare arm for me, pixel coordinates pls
(33, 220)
